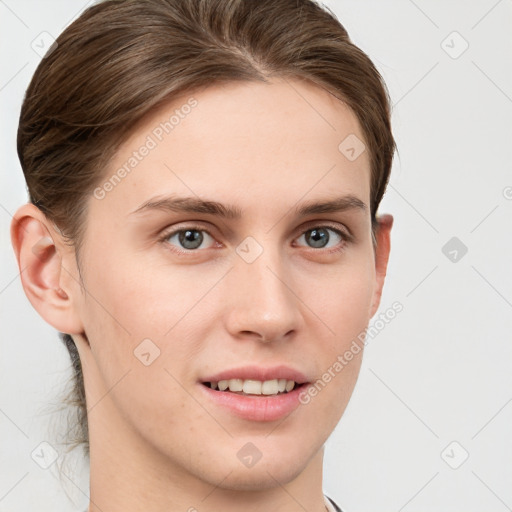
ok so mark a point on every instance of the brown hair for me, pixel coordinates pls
(122, 58)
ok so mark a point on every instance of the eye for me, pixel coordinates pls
(187, 239)
(191, 238)
(319, 237)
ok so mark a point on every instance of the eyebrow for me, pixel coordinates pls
(196, 205)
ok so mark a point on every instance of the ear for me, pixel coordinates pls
(39, 251)
(383, 246)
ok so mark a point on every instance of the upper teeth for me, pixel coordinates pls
(255, 387)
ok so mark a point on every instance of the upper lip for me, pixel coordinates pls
(259, 373)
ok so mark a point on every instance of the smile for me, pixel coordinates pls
(254, 387)
(255, 393)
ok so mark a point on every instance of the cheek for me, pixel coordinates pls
(343, 301)
(140, 313)
(127, 315)
(139, 301)
(343, 304)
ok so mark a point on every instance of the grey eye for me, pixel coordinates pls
(319, 237)
(189, 239)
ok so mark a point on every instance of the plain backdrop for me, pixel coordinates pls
(429, 425)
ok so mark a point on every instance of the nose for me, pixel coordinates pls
(264, 303)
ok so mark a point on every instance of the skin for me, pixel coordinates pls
(156, 443)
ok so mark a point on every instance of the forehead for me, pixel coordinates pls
(247, 142)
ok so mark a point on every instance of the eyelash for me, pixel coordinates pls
(345, 238)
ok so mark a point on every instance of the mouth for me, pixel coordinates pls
(250, 387)
(255, 393)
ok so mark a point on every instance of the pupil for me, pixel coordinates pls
(191, 239)
(320, 237)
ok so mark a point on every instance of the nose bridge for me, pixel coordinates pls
(262, 301)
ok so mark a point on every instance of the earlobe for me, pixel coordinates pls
(382, 250)
(39, 257)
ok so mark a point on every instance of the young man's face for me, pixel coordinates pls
(268, 294)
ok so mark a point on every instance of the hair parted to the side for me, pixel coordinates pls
(122, 58)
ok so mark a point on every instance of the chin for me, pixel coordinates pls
(261, 476)
(276, 463)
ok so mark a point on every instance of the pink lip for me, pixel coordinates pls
(258, 373)
(256, 407)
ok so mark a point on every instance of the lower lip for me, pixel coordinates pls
(256, 407)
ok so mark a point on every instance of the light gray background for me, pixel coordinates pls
(440, 372)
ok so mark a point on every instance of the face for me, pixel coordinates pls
(264, 288)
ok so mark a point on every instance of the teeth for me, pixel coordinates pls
(235, 384)
(269, 387)
(223, 385)
(254, 387)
